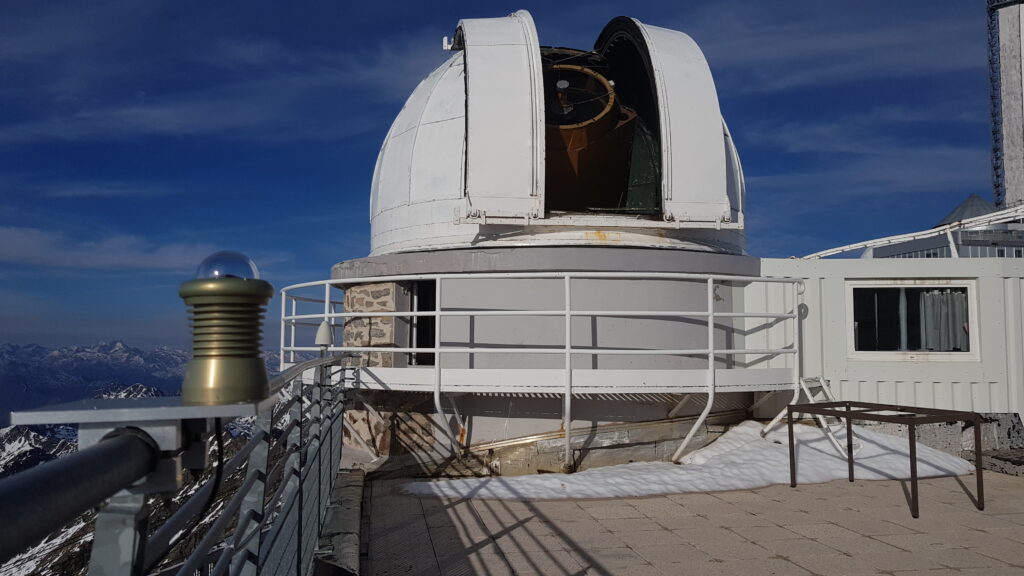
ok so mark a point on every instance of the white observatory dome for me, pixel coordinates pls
(509, 143)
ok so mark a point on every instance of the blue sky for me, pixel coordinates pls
(136, 137)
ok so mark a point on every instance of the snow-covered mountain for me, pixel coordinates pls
(22, 448)
(31, 375)
(65, 552)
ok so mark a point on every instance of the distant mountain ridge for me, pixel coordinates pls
(32, 375)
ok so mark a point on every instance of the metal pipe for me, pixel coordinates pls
(556, 275)
(1007, 215)
(160, 541)
(710, 375)
(292, 359)
(680, 405)
(213, 533)
(482, 312)
(40, 500)
(295, 371)
(849, 442)
(792, 448)
(913, 471)
(556, 350)
(284, 293)
(799, 287)
(952, 245)
(977, 462)
(757, 404)
(442, 422)
(567, 400)
(280, 359)
(797, 291)
(298, 413)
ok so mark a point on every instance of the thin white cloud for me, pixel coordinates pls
(97, 190)
(278, 109)
(917, 170)
(862, 154)
(792, 44)
(263, 91)
(52, 249)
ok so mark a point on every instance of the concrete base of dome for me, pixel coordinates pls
(548, 259)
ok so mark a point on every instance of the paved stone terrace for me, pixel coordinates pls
(829, 529)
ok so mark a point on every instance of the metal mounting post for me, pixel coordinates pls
(254, 499)
(568, 466)
(119, 543)
(316, 436)
(710, 376)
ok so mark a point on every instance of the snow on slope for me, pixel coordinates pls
(31, 562)
(22, 448)
(739, 460)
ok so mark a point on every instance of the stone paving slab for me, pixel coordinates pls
(832, 529)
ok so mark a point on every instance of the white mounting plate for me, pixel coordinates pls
(97, 410)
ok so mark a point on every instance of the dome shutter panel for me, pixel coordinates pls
(694, 178)
(504, 117)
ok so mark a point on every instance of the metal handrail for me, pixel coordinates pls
(291, 319)
(291, 474)
(1002, 216)
(42, 499)
(160, 542)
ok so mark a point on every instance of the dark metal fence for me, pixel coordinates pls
(269, 524)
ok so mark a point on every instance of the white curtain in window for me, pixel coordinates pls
(944, 320)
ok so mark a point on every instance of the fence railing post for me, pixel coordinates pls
(299, 390)
(257, 465)
(568, 465)
(315, 445)
(119, 543)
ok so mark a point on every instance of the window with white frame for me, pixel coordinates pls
(911, 318)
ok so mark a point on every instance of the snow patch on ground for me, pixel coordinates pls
(739, 460)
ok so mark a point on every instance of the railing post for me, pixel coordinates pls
(710, 378)
(796, 334)
(300, 465)
(338, 398)
(568, 466)
(292, 331)
(315, 436)
(442, 422)
(119, 544)
(327, 439)
(280, 360)
(258, 466)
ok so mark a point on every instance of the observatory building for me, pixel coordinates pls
(559, 277)
(557, 244)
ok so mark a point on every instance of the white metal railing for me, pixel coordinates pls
(331, 311)
(1002, 216)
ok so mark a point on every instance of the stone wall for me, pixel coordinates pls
(376, 331)
(382, 427)
(998, 432)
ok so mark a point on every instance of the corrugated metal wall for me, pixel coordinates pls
(989, 379)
